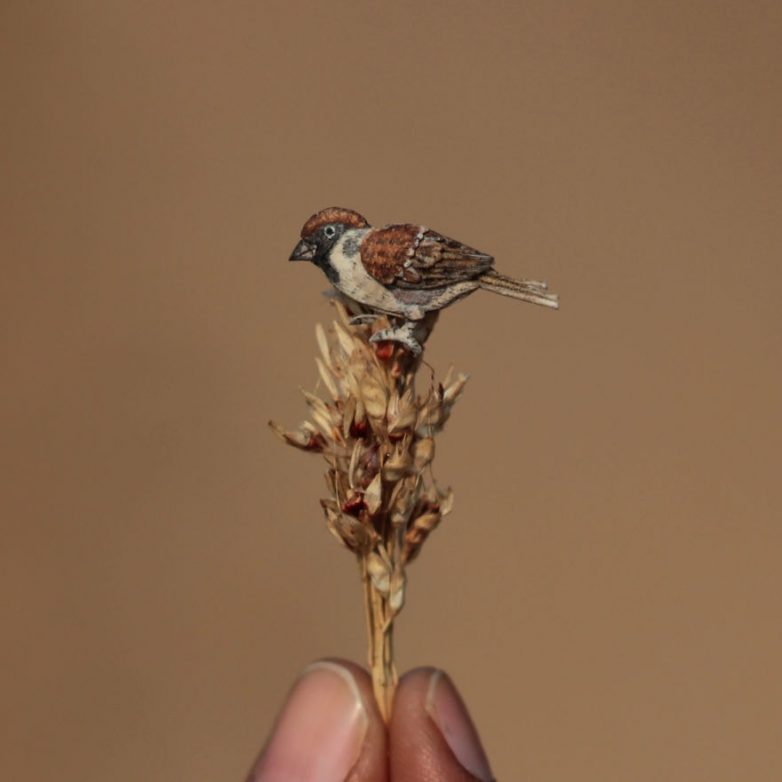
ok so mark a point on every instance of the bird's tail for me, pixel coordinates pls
(526, 290)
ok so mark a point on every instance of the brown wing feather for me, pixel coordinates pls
(411, 256)
(384, 251)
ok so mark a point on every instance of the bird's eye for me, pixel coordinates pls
(329, 231)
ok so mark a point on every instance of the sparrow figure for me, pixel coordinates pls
(403, 270)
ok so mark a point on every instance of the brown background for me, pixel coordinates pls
(607, 592)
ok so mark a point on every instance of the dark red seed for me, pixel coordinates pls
(354, 505)
(384, 350)
(317, 442)
(359, 429)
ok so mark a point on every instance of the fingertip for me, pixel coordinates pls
(328, 730)
(445, 706)
(432, 736)
(372, 763)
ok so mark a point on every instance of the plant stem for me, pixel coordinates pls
(380, 633)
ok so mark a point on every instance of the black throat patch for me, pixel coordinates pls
(322, 262)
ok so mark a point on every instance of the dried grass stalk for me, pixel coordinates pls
(377, 437)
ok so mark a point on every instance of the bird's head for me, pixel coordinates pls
(323, 230)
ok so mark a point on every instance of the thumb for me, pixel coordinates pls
(329, 730)
(432, 737)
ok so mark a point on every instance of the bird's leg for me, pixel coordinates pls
(402, 334)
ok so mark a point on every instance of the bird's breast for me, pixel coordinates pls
(352, 278)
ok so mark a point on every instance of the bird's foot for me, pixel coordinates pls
(401, 334)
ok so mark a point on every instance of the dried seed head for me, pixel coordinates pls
(376, 433)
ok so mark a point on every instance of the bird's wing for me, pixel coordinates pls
(412, 256)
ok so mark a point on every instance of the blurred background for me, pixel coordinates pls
(606, 593)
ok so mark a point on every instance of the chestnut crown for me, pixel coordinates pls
(334, 215)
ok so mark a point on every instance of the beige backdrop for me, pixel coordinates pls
(607, 592)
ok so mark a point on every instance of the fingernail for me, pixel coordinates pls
(319, 735)
(450, 715)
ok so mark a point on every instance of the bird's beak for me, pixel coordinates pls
(303, 251)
